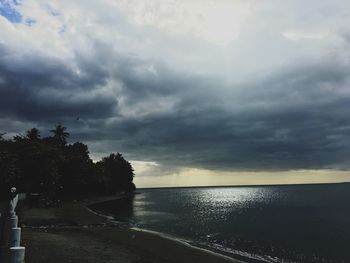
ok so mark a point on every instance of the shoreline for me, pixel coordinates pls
(205, 248)
(179, 241)
(76, 233)
(245, 185)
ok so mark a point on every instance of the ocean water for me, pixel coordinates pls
(303, 223)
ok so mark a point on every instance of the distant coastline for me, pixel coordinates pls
(245, 185)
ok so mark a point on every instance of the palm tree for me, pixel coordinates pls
(60, 134)
(33, 134)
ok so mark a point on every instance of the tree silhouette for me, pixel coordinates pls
(58, 170)
(117, 172)
(60, 135)
(33, 134)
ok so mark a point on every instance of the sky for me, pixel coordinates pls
(195, 92)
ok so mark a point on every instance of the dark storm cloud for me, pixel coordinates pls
(38, 88)
(297, 120)
(294, 119)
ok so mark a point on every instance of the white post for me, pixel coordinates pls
(17, 254)
(13, 221)
(15, 237)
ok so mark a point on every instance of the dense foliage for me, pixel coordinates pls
(52, 167)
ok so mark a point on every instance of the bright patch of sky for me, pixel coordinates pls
(9, 9)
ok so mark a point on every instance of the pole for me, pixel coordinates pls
(15, 237)
(13, 221)
(17, 254)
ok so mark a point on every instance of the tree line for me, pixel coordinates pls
(50, 166)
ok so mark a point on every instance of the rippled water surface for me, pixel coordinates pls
(271, 223)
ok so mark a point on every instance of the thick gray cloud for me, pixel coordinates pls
(179, 99)
(299, 121)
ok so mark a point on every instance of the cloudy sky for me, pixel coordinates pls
(193, 92)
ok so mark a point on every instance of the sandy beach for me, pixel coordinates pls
(73, 233)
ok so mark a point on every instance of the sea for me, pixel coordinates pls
(293, 223)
